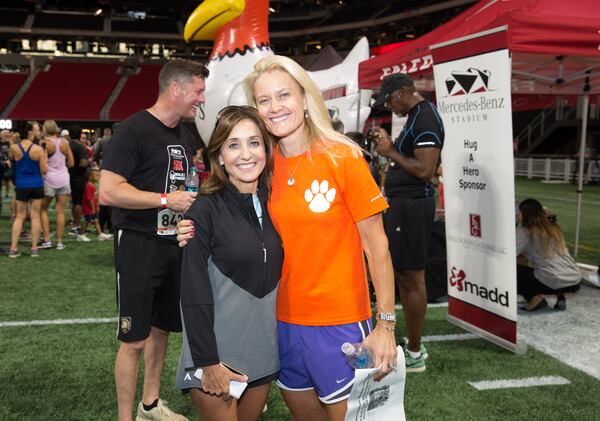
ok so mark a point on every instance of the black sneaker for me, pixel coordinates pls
(561, 303)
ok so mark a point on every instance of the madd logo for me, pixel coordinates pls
(458, 279)
(468, 82)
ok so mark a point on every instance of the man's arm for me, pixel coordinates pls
(98, 150)
(81, 156)
(66, 150)
(422, 165)
(116, 191)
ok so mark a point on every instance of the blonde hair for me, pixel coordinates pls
(50, 128)
(318, 128)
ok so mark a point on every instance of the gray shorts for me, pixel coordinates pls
(52, 192)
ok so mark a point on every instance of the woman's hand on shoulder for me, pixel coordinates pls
(216, 379)
(185, 231)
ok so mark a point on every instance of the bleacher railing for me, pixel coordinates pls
(560, 169)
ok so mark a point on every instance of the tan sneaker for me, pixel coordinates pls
(159, 413)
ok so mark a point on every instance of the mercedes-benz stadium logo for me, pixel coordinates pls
(468, 82)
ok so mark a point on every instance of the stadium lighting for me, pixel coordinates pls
(271, 10)
(98, 12)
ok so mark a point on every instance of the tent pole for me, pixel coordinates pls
(584, 118)
(358, 112)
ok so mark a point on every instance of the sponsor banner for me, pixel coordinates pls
(472, 82)
(484, 320)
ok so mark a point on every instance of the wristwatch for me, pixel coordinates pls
(388, 317)
(163, 200)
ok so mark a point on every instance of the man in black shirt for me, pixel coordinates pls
(409, 220)
(76, 176)
(99, 147)
(142, 178)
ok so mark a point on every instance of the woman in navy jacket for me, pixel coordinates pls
(230, 272)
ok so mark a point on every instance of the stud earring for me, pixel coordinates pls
(221, 162)
(306, 114)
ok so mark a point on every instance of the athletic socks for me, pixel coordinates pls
(151, 406)
(415, 355)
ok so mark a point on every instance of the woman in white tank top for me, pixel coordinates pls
(56, 182)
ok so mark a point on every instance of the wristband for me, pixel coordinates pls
(163, 200)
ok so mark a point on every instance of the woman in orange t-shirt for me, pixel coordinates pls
(327, 210)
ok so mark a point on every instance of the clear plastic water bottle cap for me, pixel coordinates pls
(347, 348)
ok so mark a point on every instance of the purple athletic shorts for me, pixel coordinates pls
(311, 358)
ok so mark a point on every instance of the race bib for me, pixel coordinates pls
(166, 222)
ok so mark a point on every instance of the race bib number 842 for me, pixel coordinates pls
(166, 222)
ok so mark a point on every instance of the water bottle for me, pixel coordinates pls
(357, 355)
(191, 181)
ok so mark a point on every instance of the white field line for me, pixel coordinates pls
(431, 338)
(523, 382)
(114, 319)
(59, 322)
(453, 337)
(429, 305)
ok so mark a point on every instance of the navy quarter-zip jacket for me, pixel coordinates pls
(229, 277)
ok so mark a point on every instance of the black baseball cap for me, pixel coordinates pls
(391, 84)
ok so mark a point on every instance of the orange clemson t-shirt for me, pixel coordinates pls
(323, 281)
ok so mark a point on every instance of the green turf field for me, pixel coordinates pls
(64, 372)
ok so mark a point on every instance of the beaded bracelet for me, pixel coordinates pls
(389, 329)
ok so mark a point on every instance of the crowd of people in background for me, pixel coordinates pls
(47, 170)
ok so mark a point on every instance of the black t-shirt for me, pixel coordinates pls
(154, 158)
(76, 172)
(105, 148)
(423, 129)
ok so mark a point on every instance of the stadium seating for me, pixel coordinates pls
(139, 92)
(68, 21)
(9, 85)
(68, 91)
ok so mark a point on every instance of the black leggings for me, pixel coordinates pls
(528, 286)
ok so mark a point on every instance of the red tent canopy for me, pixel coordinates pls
(553, 44)
(386, 48)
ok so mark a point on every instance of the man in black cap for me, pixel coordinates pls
(409, 221)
